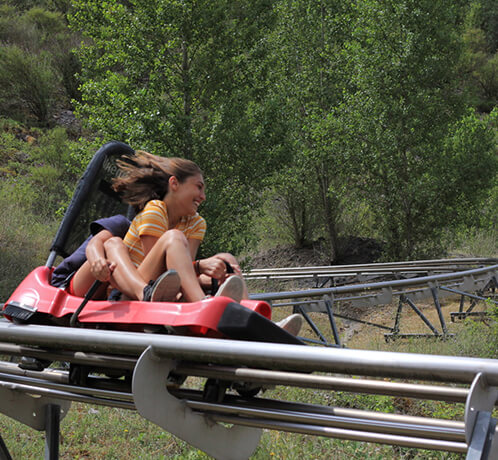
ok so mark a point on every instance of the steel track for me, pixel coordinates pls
(263, 365)
(227, 366)
(401, 283)
(390, 269)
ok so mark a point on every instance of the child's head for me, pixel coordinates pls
(146, 177)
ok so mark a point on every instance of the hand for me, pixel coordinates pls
(101, 269)
(228, 258)
(215, 266)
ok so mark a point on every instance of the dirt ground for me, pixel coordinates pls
(353, 334)
(355, 250)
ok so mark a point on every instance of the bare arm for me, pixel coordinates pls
(100, 268)
(215, 266)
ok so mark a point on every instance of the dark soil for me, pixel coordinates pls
(355, 250)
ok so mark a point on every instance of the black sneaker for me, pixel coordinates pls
(114, 295)
(164, 289)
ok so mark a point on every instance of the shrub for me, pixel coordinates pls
(27, 84)
(24, 241)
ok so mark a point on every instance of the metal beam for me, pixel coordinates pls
(269, 355)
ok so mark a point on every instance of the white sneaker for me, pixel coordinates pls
(233, 287)
(292, 324)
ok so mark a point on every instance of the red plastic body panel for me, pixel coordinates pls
(201, 318)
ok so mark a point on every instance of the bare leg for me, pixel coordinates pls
(83, 280)
(172, 252)
(125, 276)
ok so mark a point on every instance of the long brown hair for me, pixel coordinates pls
(145, 177)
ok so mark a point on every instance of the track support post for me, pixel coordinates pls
(439, 311)
(52, 430)
(154, 402)
(329, 302)
(4, 452)
(41, 413)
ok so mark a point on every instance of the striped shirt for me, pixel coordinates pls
(153, 221)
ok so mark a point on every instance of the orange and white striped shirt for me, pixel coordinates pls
(153, 221)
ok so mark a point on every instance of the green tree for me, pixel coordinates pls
(401, 118)
(180, 78)
(307, 80)
(479, 64)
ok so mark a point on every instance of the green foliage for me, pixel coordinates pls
(26, 82)
(469, 168)
(414, 156)
(179, 79)
(479, 68)
(483, 15)
(475, 242)
(37, 177)
(479, 339)
(24, 240)
(36, 62)
(37, 172)
(319, 120)
(307, 82)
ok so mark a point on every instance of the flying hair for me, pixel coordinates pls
(145, 177)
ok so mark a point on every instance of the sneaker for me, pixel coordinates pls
(164, 289)
(115, 295)
(292, 324)
(233, 287)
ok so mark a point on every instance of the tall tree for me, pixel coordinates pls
(178, 78)
(404, 107)
(307, 79)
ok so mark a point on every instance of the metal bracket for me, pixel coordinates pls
(29, 409)
(479, 425)
(154, 402)
(39, 412)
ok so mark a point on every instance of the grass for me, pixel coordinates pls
(93, 432)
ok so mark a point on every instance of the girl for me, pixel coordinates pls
(163, 238)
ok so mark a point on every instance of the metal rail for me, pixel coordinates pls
(441, 265)
(468, 283)
(394, 284)
(156, 359)
(153, 359)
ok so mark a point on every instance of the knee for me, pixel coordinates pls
(173, 238)
(113, 244)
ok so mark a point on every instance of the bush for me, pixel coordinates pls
(41, 173)
(479, 339)
(27, 84)
(24, 241)
(36, 181)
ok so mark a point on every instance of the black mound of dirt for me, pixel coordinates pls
(354, 250)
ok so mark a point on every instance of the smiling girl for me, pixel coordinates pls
(163, 238)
